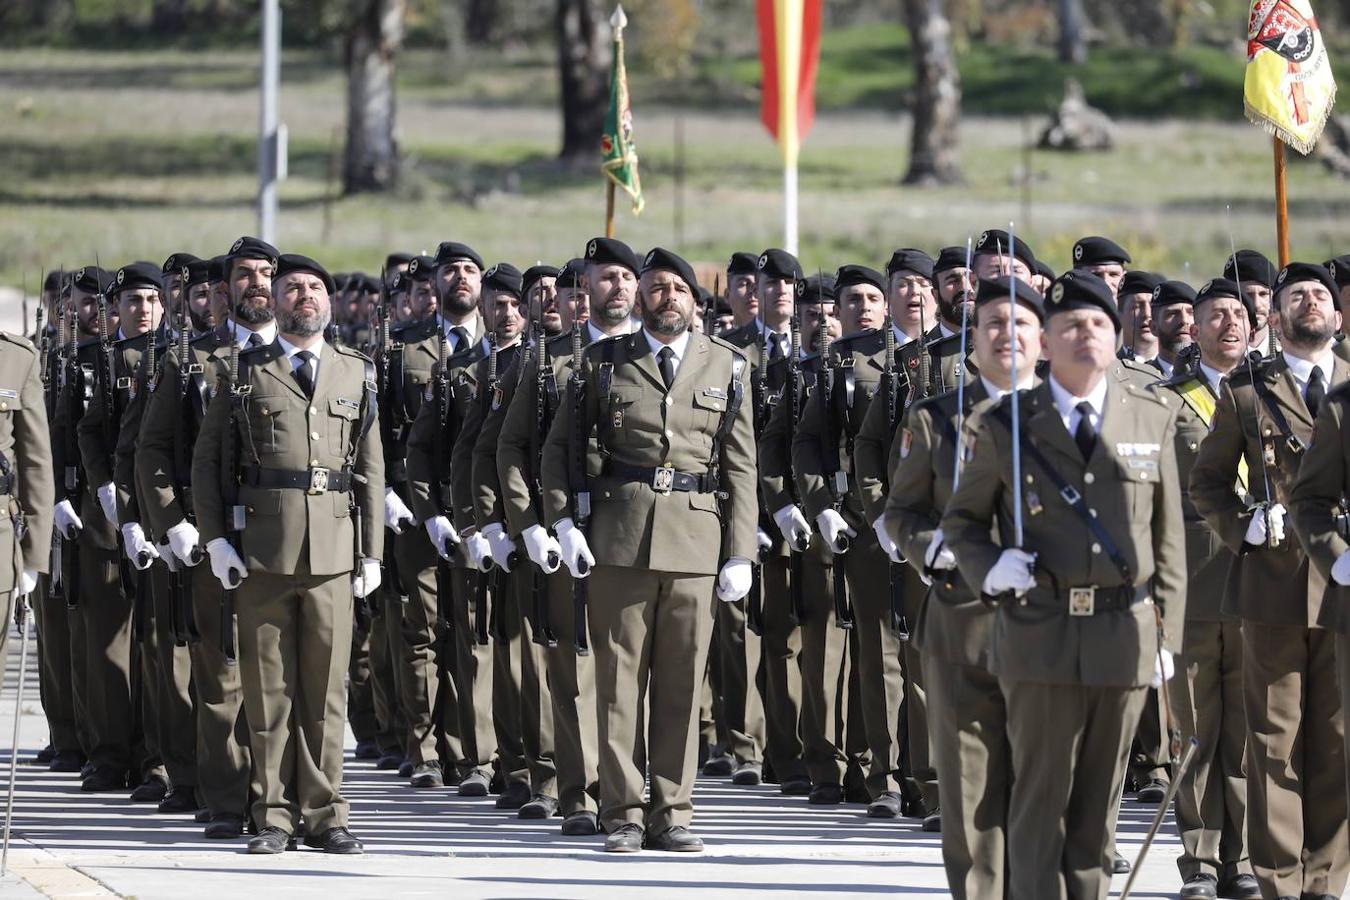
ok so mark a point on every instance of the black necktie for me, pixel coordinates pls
(304, 373)
(775, 346)
(1317, 389)
(1083, 435)
(254, 340)
(461, 336)
(667, 359)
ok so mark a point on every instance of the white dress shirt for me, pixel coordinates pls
(1213, 376)
(1302, 368)
(679, 345)
(291, 350)
(1067, 405)
(470, 327)
(268, 333)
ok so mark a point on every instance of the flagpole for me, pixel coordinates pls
(790, 202)
(1281, 204)
(609, 208)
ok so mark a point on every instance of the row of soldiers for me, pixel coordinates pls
(535, 485)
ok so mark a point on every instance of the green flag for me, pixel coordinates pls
(619, 153)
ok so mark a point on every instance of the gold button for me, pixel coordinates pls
(1089, 478)
(670, 401)
(1143, 476)
(1030, 480)
(312, 410)
(1194, 445)
(1096, 548)
(669, 433)
(314, 435)
(1093, 513)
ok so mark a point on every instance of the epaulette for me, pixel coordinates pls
(951, 342)
(257, 354)
(19, 341)
(1339, 391)
(749, 332)
(1244, 373)
(353, 352)
(739, 351)
(1144, 370)
(856, 336)
(414, 331)
(603, 342)
(562, 340)
(87, 342)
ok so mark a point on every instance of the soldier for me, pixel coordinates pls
(310, 475)
(1135, 301)
(1211, 801)
(992, 261)
(1102, 257)
(1256, 275)
(742, 288)
(1089, 607)
(540, 283)
(1296, 788)
(1174, 322)
(676, 498)
(909, 291)
(967, 714)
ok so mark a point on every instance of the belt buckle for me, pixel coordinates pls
(663, 479)
(1082, 601)
(318, 480)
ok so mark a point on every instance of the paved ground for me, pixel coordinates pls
(423, 843)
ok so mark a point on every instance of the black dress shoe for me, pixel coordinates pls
(271, 840)
(336, 840)
(45, 756)
(626, 839)
(367, 750)
(224, 827)
(513, 796)
(825, 794)
(933, 821)
(67, 761)
(748, 774)
(676, 839)
(388, 762)
(151, 790)
(406, 768)
(1320, 897)
(1202, 886)
(427, 775)
(887, 806)
(540, 806)
(475, 784)
(179, 800)
(1120, 865)
(719, 766)
(796, 786)
(580, 823)
(102, 780)
(1240, 887)
(202, 816)
(1153, 791)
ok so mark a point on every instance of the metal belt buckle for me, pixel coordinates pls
(318, 480)
(663, 479)
(1295, 445)
(1082, 601)
(1071, 496)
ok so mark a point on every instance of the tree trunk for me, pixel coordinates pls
(481, 20)
(371, 160)
(934, 157)
(583, 69)
(1072, 43)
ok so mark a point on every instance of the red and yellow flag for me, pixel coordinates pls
(789, 52)
(1289, 89)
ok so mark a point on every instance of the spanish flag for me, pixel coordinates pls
(789, 52)
(1289, 89)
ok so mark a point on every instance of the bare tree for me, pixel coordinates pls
(583, 69)
(1072, 43)
(373, 38)
(934, 157)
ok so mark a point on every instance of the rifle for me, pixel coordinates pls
(891, 385)
(543, 633)
(442, 394)
(835, 476)
(231, 454)
(759, 397)
(792, 396)
(75, 391)
(389, 411)
(581, 492)
(184, 616)
(710, 311)
(485, 610)
(143, 379)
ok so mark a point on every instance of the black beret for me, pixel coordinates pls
(571, 273)
(396, 259)
(502, 277)
(816, 289)
(1172, 292)
(909, 259)
(1300, 271)
(848, 276)
(1081, 290)
(1248, 266)
(137, 275)
(777, 263)
(294, 262)
(399, 283)
(1216, 288)
(421, 268)
(603, 251)
(200, 272)
(252, 248)
(660, 258)
(1339, 267)
(1042, 268)
(1137, 281)
(218, 266)
(91, 279)
(995, 240)
(950, 258)
(364, 282)
(994, 291)
(53, 280)
(534, 273)
(176, 261)
(742, 263)
(453, 251)
(1094, 251)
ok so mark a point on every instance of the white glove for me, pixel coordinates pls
(832, 526)
(542, 548)
(1163, 669)
(170, 558)
(1012, 572)
(367, 579)
(479, 550)
(733, 582)
(27, 581)
(887, 545)
(185, 542)
(67, 522)
(575, 550)
(440, 531)
(396, 512)
(1340, 569)
(226, 565)
(1272, 516)
(794, 527)
(500, 545)
(938, 556)
(139, 550)
(107, 498)
(763, 540)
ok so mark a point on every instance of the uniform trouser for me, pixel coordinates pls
(1069, 745)
(1296, 778)
(427, 651)
(61, 638)
(175, 714)
(523, 713)
(386, 676)
(147, 684)
(223, 754)
(650, 633)
(823, 672)
(741, 712)
(106, 612)
(969, 730)
(1150, 755)
(571, 688)
(294, 644)
(780, 652)
(1211, 800)
(75, 667)
(360, 682)
(473, 680)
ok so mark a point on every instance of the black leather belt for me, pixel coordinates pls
(1088, 600)
(661, 479)
(318, 480)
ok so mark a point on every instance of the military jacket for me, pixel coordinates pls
(1318, 502)
(25, 445)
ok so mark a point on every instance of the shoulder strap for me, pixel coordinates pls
(369, 411)
(1291, 440)
(735, 396)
